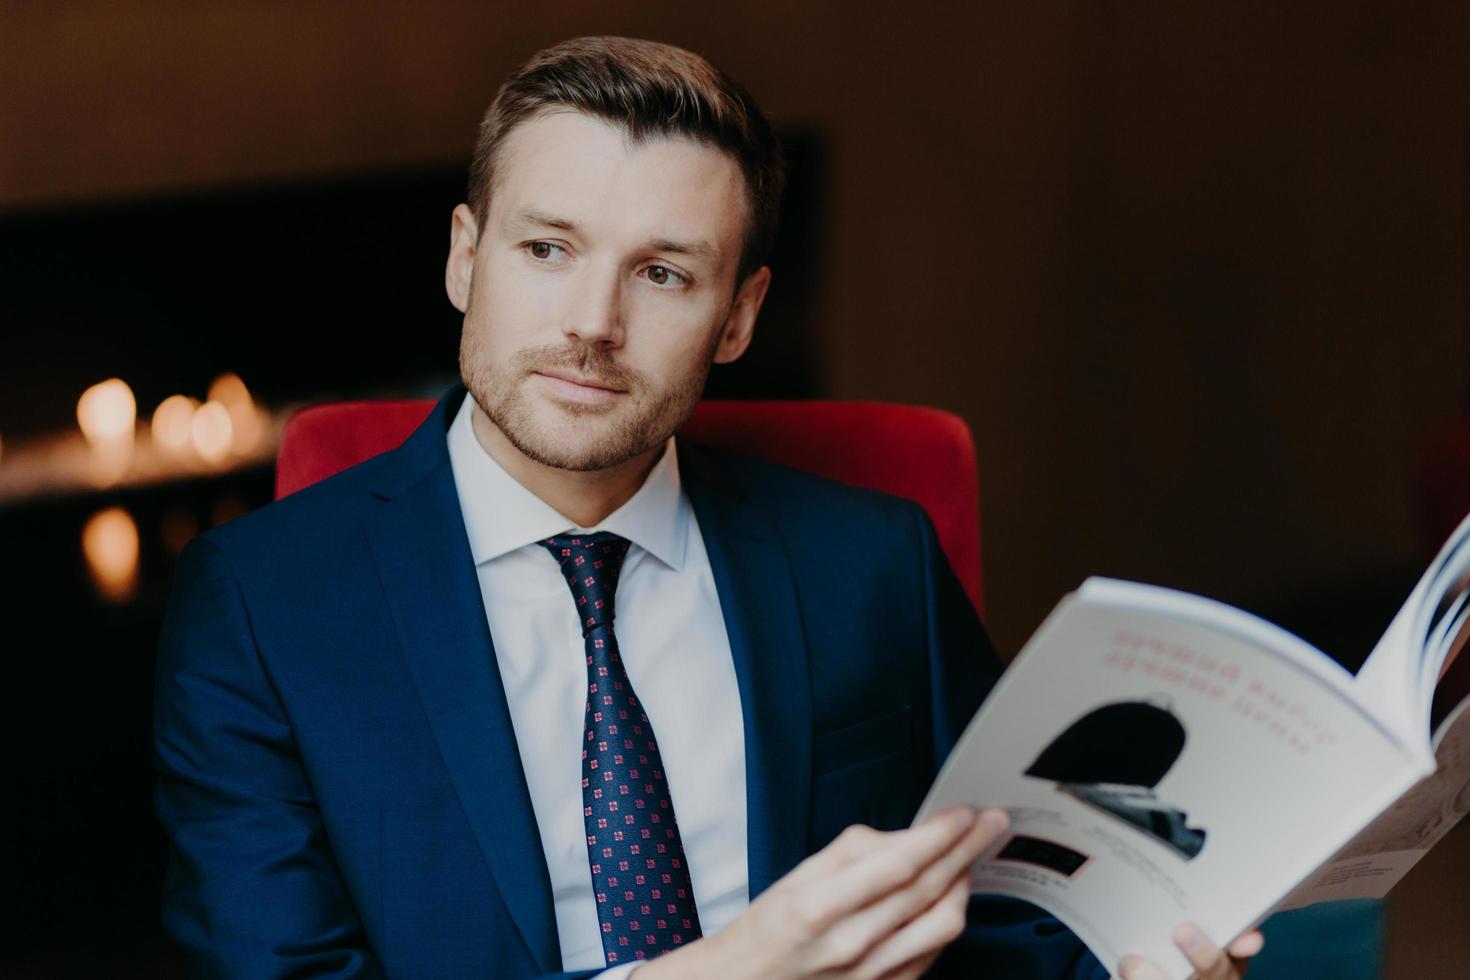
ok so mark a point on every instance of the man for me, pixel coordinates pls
(396, 730)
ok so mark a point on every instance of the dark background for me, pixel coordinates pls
(1196, 275)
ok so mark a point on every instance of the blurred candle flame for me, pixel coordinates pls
(245, 420)
(107, 414)
(172, 422)
(110, 544)
(211, 430)
(107, 411)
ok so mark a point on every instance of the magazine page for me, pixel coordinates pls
(1159, 768)
(1377, 858)
(1443, 648)
(1396, 681)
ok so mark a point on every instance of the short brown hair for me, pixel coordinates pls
(650, 89)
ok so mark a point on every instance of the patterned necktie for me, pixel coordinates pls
(645, 901)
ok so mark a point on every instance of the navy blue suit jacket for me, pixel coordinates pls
(337, 771)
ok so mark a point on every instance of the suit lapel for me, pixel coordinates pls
(758, 601)
(422, 551)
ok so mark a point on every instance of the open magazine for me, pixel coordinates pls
(1168, 758)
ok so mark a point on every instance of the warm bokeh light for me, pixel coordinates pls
(211, 430)
(107, 412)
(110, 544)
(117, 446)
(172, 422)
(230, 391)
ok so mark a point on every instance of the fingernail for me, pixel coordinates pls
(1137, 968)
(996, 821)
(1187, 936)
(959, 818)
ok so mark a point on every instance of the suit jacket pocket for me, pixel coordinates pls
(865, 740)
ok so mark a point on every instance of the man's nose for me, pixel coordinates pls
(596, 315)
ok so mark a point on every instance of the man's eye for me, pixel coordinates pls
(543, 250)
(662, 275)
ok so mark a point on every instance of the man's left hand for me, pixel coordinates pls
(1209, 961)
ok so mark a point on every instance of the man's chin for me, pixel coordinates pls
(582, 445)
(588, 461)
(579, 438)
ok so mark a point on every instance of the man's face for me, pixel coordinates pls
(600, 289)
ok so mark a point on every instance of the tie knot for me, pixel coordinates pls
(590, 563)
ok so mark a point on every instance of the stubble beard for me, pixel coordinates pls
(639, 421)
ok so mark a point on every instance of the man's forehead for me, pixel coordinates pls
(576, 172)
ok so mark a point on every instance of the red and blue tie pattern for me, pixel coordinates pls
(645, 900)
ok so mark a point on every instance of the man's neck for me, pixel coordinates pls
(583, 497)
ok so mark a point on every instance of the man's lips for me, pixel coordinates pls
(569, 388)
(570, 378)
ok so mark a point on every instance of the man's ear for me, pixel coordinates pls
(740, 322)
(459, 268)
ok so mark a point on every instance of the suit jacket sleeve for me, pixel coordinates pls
(1005, 937)
(251, 888)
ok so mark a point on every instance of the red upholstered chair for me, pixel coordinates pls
(920, 453)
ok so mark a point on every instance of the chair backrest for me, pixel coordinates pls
(923, 454)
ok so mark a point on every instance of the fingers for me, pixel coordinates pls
(858, 842)
(1138, 968)
(869, 925)
(924, 936)
(803, 922)
(842, 851)
(890, 860)
(913, 969)
(1209, 961)
(1247, 944)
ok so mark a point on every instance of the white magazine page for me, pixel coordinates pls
(1444, 644)
(1222, 618)
(1387, 680)
(1375, 860)
(1392, 680)
(1158, 770)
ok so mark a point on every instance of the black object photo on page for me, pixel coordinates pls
(1112, 758)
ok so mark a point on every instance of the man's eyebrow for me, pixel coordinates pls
(531, 216)
(697, 249)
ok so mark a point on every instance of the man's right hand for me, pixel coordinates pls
(870, 904)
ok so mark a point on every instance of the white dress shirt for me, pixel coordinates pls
(672, 640)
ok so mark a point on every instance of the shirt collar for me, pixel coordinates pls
(501, 515)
